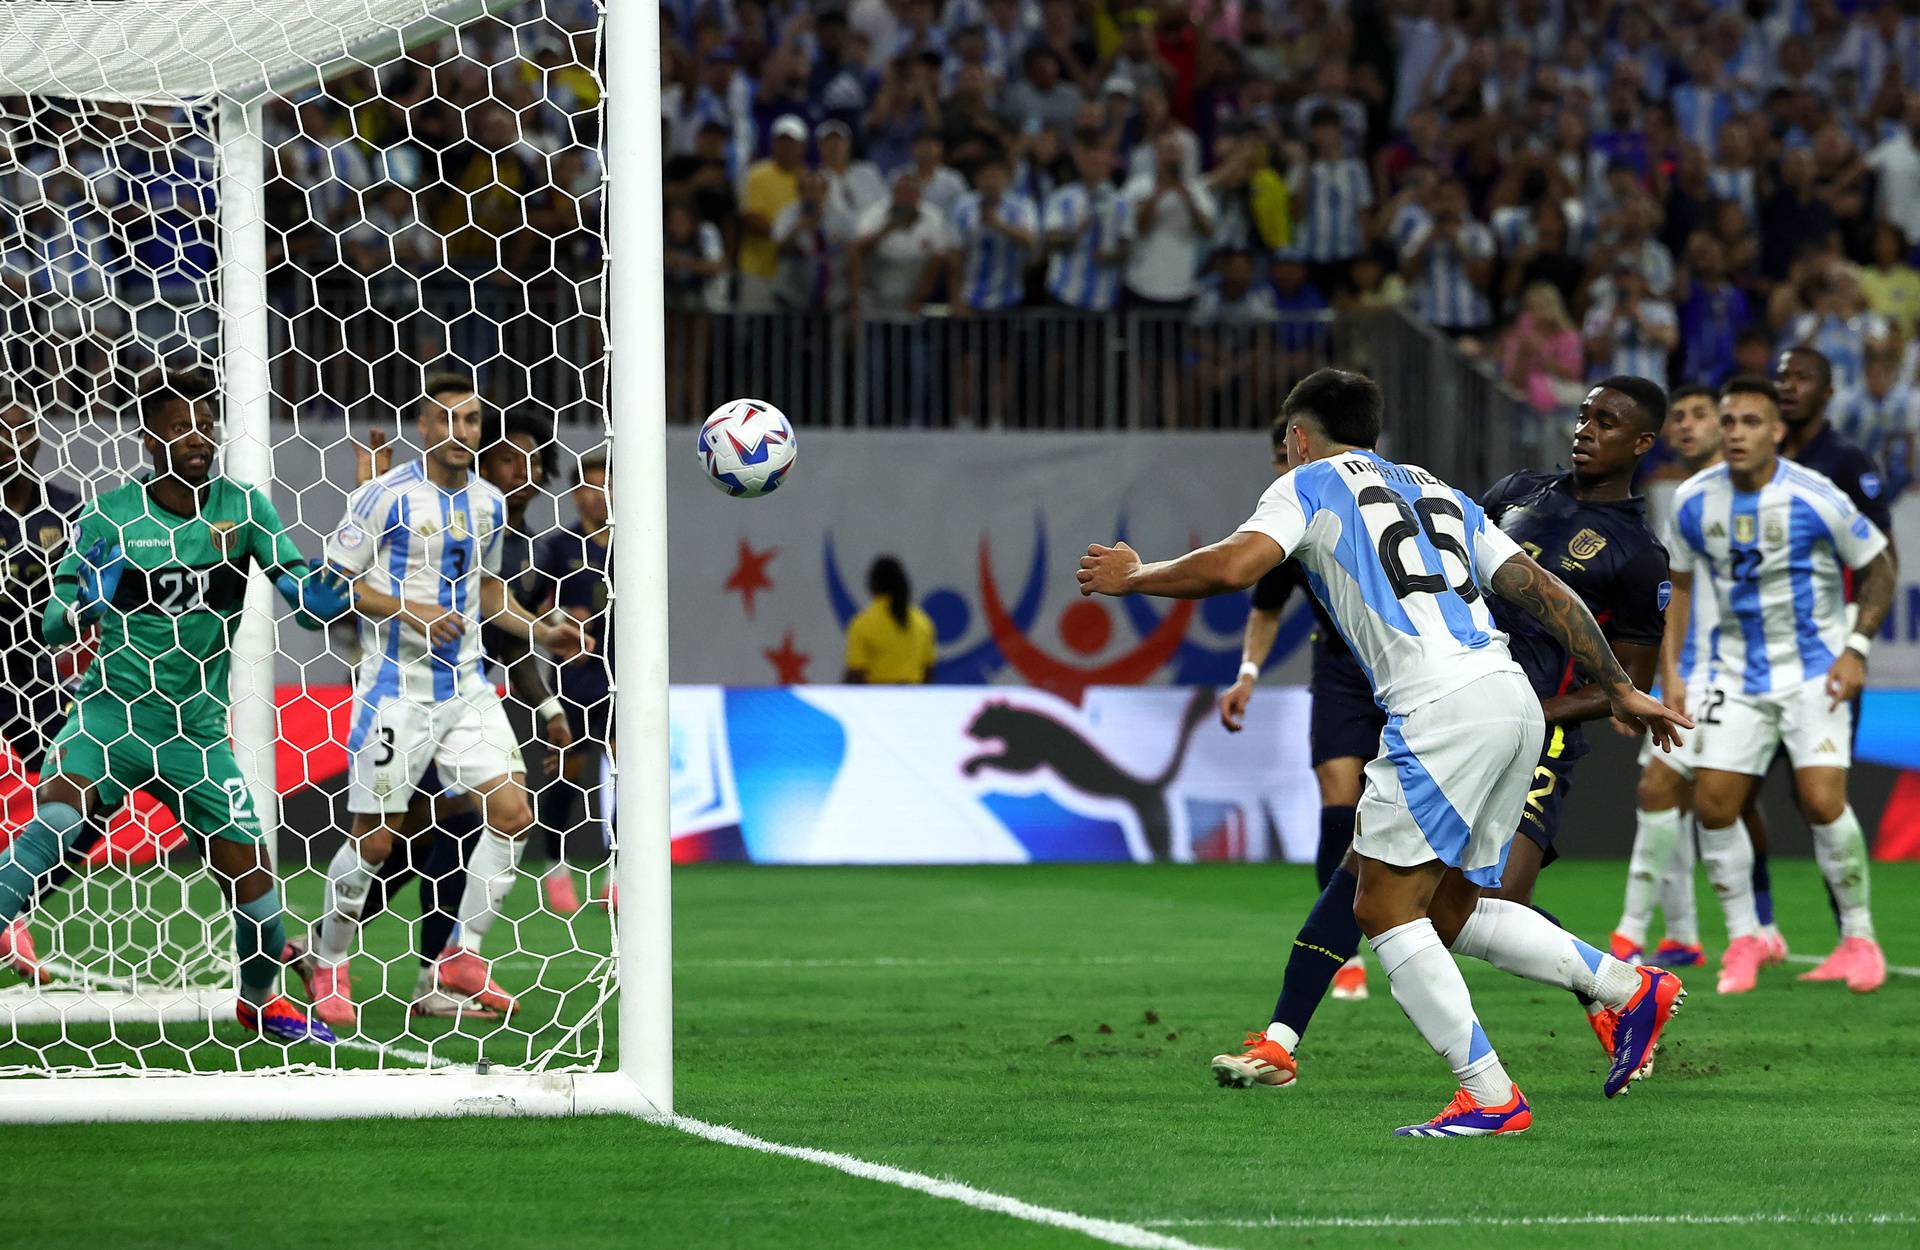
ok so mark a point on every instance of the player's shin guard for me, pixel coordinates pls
(1336, 835)
(348, 879)
(1654, 836)
(1429, 988)
(1841, 850)
(490, 875)
(1728, 856)
(34, 852)
(442, 881)
(1327, 940)
(259, 935)
(1516, 938)
(1676, 891)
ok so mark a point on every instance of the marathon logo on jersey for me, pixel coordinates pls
(1663, 596)
(1586, 545)
(1861, 529)
(1743, 530)
(226, 536)
(1870, 485)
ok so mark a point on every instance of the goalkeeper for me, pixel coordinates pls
(160, 564)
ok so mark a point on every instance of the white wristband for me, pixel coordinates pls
(1858, 641)
(549, 709)
(1249, 670)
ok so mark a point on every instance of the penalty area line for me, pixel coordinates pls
(1112, 1232)
(1756, 1219)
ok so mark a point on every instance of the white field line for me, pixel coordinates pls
(1898, 970)
(1756, 1219)
(1112, 1232)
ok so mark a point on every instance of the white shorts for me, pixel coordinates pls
(1684, 758)
(393, 741)
(1739, 733)
(1452, 778)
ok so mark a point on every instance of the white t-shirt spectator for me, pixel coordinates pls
(894, 268)
(852, 192)
(1633, 352)
(942, 190)
(1141, 163)
(1897, 162)
(1165, 262)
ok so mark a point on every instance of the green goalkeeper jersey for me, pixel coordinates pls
(165, 647)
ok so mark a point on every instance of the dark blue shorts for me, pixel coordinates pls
(1552, 779)
(1345, 720)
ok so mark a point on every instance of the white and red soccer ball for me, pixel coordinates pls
(747, 447)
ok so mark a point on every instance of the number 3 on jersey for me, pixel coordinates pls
(1446, 528)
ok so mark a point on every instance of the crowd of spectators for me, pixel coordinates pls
(1567, 190)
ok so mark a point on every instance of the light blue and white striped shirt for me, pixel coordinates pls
(1634, 353)
(993, 267)
(1337, 194)
(417, 540)
(1737, 185)
(1443, 294)
(1075, 276)
(1842, 340)
(1869, 421)
(1772, 559)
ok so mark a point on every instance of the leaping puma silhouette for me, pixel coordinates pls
(1030, 741)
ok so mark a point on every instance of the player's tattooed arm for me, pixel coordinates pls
(1524, 583)
(1873, 589)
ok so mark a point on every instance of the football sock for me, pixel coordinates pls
(92, 834)
(1654, 835)
(393, 876)
(1676, 892)
(1336, 835)
(1728, 856)
(1841, 849)
(1327, 940)
(259, 936)
(1429, 988)
(34, 851)
(490, 876)
(442, 879)
(1515, 938)
(1762, 888)
(348, 879)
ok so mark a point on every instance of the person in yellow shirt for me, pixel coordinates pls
(890, 642)
(1891, 285)
(769, 186)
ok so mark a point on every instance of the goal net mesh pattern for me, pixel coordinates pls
(431, 195)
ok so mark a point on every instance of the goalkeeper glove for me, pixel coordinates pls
(100, 569)
(324, 595)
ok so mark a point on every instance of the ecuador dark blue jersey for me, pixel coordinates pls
(1270, 594)
(1852, 470)
(1605, 551)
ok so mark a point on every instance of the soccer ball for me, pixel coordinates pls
(747, 447)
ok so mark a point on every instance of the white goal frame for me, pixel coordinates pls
(182, 52)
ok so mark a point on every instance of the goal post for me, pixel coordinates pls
(229, 60)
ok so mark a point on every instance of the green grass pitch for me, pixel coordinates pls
(1043, 1033)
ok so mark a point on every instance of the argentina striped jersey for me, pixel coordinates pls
(1075, 275)
(1772, 558)
(424, 543)
(1338, 193)
(1402, 562)
(992, 266)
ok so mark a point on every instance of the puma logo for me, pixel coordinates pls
(1029, 741)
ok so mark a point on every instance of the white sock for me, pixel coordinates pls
(1841, 849)
(1654, 834)
(1728, 856)
(1515, 938)
(1279, 1032)
(1429, 988)
(348, 879)
(490, 876)
(1677, 903)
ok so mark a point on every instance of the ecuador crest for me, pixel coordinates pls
(1586, 545)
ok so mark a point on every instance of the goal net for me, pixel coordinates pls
(319, 285)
